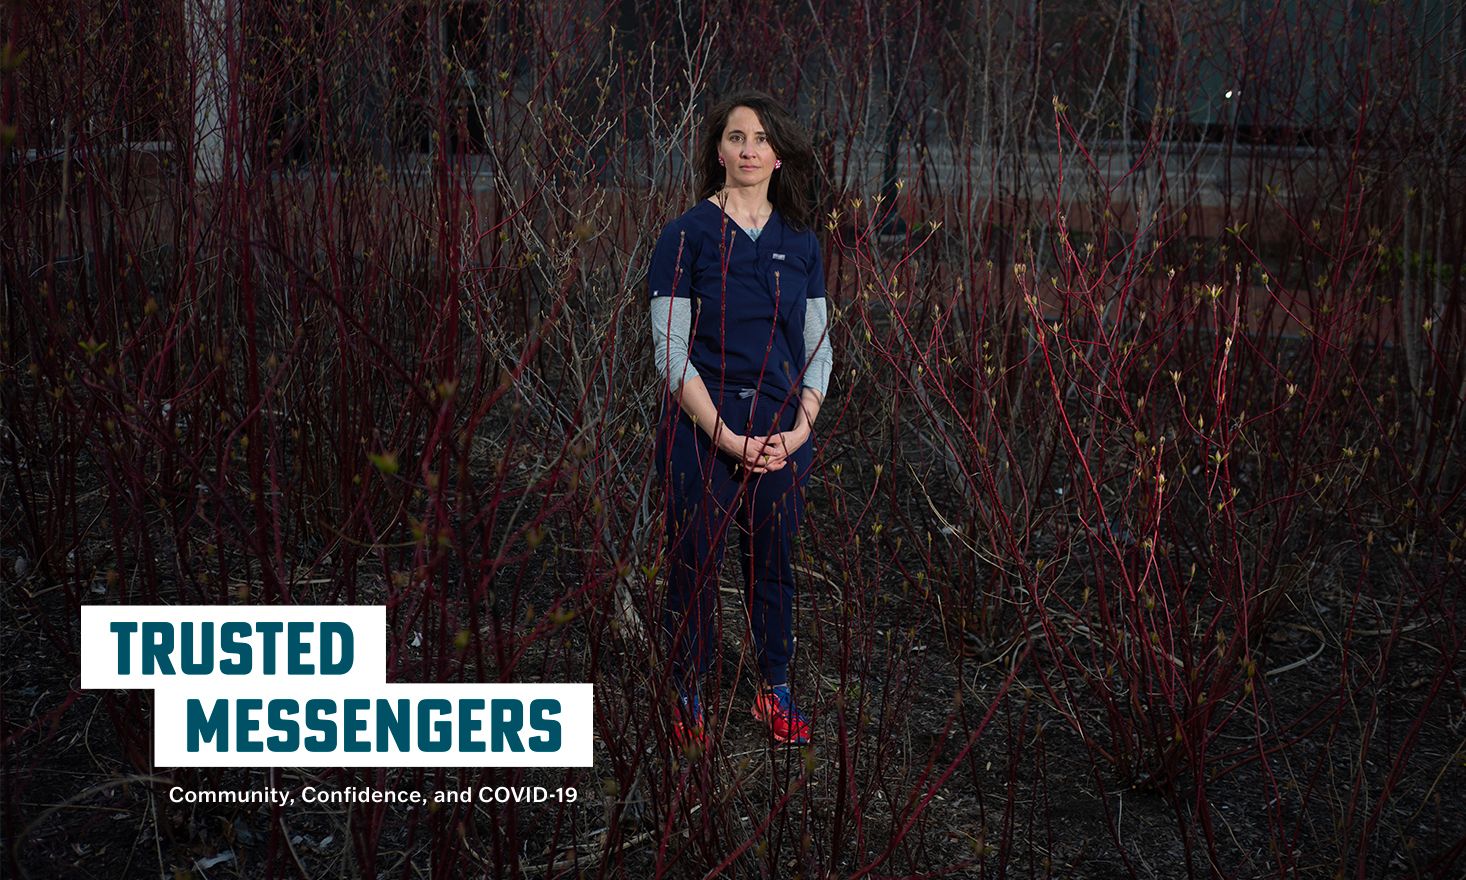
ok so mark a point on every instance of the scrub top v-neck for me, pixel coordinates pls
(748, 297)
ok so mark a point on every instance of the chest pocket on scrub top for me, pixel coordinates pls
(787, 280)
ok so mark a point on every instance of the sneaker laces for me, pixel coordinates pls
(785, 701)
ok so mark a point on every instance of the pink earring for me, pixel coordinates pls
(721, 162)
(778, 162)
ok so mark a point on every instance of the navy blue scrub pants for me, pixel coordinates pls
(707, 495)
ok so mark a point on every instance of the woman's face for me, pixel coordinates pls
(748, 157)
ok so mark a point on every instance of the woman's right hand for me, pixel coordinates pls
(694, 399)
(754, 453)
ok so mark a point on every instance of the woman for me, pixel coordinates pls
(738, 317)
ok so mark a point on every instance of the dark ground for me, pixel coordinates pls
(1024, 800)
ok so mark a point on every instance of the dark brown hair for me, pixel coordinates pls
(791, 189)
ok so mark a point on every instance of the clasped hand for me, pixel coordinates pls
(761, 454)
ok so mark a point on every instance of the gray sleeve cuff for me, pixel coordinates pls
(817, 341)
(672, 338)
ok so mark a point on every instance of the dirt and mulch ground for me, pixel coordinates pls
(896, 695)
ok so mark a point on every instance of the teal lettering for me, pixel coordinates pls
(399, 724)
(355, 725)
(334, 631)
(314, 710)
(426, 727)
(229, 643)
(124, 630)
(550, 741)
(244, 725)
(288, 738)
(467, 724)
(296, 664)
(269, 629)
(213, 727)
(205, 649)
(506, 719)
(157, 645)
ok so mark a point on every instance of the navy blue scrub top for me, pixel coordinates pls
(748, 297)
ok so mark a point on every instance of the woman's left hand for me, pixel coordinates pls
(785, 443)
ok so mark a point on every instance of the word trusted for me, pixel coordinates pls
(305, 686)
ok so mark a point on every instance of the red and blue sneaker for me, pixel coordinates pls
(775, 707)
(688, 731)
